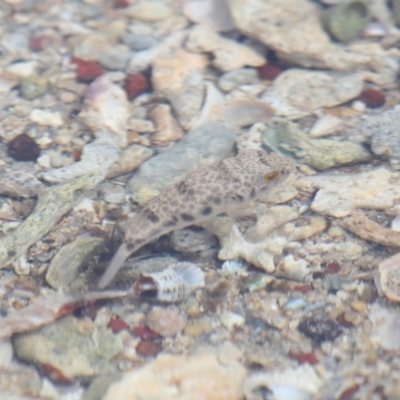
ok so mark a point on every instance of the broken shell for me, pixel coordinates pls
(389, 271)
(172, 284)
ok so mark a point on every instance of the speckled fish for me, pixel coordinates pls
(218, 188)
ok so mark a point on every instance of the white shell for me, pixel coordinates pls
(172, 284)
(326, 125)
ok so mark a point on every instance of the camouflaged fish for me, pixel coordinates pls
(215, 189)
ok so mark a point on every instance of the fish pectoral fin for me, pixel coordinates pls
(116, 263)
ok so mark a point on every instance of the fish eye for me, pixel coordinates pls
(271, 176)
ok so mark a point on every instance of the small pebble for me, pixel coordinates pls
(367, 293)
(303, 288)
(67, 97)
(112, 193)
(23, 68)
(358, 306)
(358, 106)
(147, 348)
(149, 11)
(46, 118)
(138, 42)
(145, 332)
(33, 86)
(333, 267)
(372, 98)
(86, 71)
(269, 71)
(117, 325)
(54, 374)
(135, 85)
(303, 358)
(121, 3)
(23, 148)
(168, 322)
(231, 320)
(40, 42)
(319, 328)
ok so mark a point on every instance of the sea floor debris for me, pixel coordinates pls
(105, 104)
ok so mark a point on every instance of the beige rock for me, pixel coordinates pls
(149, 11)
(296, 93)
(19, 184)
(106, 110)
(326, 125)
(315, 225)
(228, 54)
(338, 195)
(230, 320)
(46, 118)
(389, 271)
(359, 224)
(358, 306)
(179, 78)
(167, 322)
(96, 157)
(129, 159)
(290, 268)
(141, 125)
(65, 265)
(198, 377)
(294, 31)
(141, 60)
(168, 129)
(23, 68)
(213, 13)
(200, 326)
(92, 45)
(385, 323)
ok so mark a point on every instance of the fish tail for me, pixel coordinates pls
(116, 263)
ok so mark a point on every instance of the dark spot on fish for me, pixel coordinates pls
(224, 214)
(135, 244)
(155, 233)
(187, 217)
(153, 217)
(169, 224)
(206, 211)
(217, 200)
(262, 158)
(182, 186)
(239, 198)
(252, 193)
(191, 192)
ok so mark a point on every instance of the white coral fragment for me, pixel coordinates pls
(338, 195)
(267, 239)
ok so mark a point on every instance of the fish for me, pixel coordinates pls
(218, 188)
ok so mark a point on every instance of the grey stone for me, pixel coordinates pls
(138, 42)
(19, 184)
(74, 351)
(116, 58)
(209, 143)
(66, 264)
(232, 79)
(53, 203)
(285, 137)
